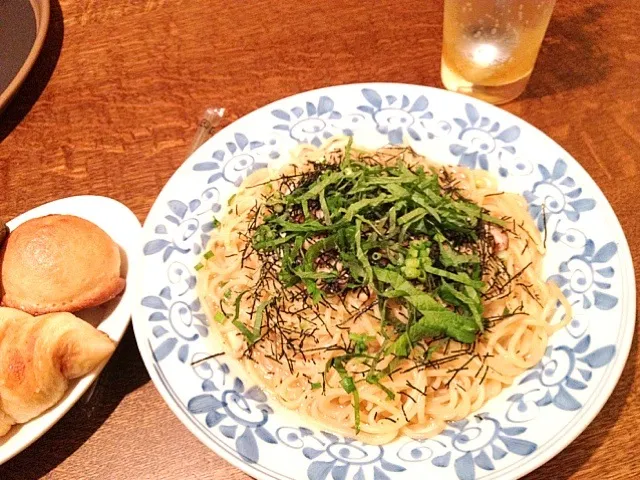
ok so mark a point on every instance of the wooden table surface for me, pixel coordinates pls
(111, 108)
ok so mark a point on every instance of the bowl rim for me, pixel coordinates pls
(42, 10)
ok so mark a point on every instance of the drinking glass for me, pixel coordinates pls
(490, 46)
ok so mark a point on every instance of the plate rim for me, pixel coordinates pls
(517, 471)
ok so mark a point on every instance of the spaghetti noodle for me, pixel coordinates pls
(389, 315)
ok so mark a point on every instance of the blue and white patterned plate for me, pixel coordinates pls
(525, 426)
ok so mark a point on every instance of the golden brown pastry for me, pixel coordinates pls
(59, 263)
(38, 356)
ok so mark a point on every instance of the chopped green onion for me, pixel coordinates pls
(412, 262)
(361, 341)
(348, 384)
(198, 266)
(411, 272)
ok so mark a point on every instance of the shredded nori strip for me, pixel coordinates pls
(401, 234)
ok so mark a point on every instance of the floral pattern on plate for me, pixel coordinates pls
(235, 418)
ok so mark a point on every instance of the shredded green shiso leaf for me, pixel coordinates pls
(402, 234)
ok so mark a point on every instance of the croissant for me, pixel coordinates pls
(38, 357)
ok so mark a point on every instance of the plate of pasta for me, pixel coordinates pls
(379, 281)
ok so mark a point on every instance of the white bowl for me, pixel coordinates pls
(112, 317)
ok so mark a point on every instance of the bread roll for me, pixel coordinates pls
(59, 263)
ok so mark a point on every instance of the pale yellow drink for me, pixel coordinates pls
(490, 46)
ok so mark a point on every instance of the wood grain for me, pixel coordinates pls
(112, 104)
